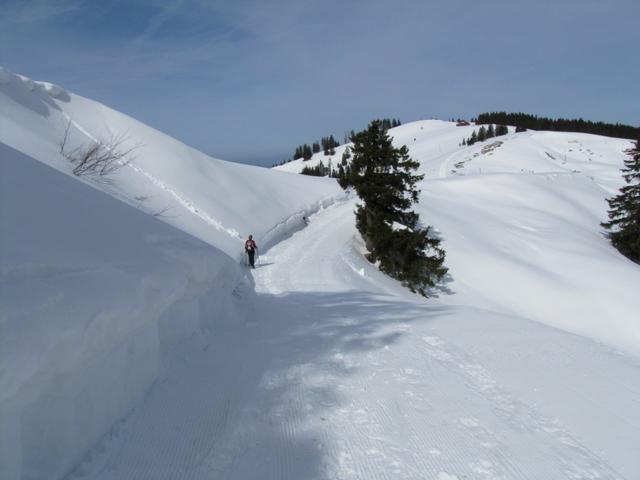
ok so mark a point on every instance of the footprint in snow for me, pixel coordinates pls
(447, 476)
(470, 422)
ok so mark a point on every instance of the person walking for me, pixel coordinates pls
(250, 248)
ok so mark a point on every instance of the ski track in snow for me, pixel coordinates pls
(445, 169)
(184, 202)
(187, 204)
(325, 375)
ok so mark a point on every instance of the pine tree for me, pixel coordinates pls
(624, 213)
(501, 130)
(316, 147)
(482, 134)
(346, 155)
(384, 178)
(490, 131)
(306, 152)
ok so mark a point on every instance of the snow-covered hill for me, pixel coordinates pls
(520, 218)
(219, 202)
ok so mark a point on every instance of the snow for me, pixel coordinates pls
(395, 226)
(54, 90)
(5, 76)
(91, 291)
(94, 291)
(216, 201)
(137, 346)
(296, 166)
(520, 216)
(337, 375)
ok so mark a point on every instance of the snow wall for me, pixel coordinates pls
(91, 292)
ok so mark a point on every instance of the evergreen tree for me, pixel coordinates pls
(482, 134)
(344, 175)
(346, 155)
(316, 147)
(525, 121)
(334, 144)
(501, 130)
(624, 213)
(473, 139)
(327, 144)
(312, 171)
(490, 131)
(306, 152)
(384, 178)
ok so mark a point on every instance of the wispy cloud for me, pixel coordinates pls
(21, 12)
(259, 66)
(157, 21)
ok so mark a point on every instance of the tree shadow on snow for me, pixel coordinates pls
(265, 392)
(301, 351)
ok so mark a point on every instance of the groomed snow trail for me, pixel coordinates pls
(330, 371)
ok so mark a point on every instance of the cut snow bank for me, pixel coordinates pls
(91, 290)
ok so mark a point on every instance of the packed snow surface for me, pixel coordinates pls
(331, 371)
(314, 365)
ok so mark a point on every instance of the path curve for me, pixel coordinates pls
(326, 372)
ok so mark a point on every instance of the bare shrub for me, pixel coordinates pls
(100, 157)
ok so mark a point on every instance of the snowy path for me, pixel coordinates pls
(329, 372)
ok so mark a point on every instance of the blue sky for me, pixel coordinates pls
(251, 79)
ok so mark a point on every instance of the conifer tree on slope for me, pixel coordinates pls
(624, 213)
(383, 177)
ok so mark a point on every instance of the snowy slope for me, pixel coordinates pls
(216, 201)
(520, 218)
(296, 166)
